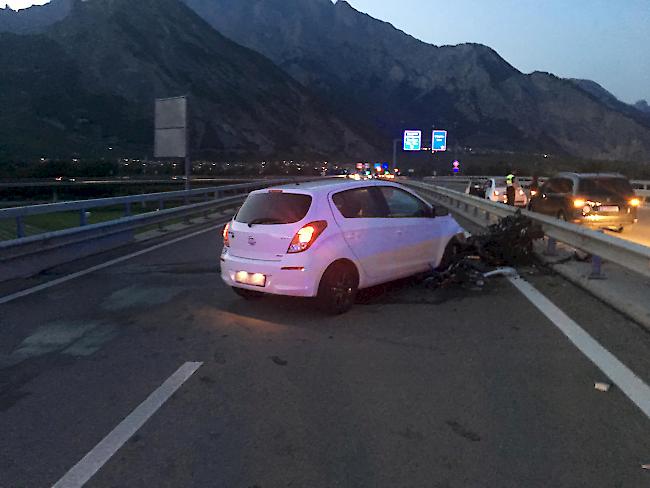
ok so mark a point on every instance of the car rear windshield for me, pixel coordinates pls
(606, 187)
(274, 208)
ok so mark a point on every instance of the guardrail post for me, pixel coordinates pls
(551, 250)
(161, 205)
(20, 227)
(597, 266)
(127, 209)
(83, 218)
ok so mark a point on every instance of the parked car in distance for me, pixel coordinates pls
(328, 239)
(602, 201)
(496, 191)
(476, 188)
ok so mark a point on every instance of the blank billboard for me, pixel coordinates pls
(171, 128)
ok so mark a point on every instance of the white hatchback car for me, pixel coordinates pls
(328, 239)
(496, 190)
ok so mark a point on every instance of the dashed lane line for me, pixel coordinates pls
(92, 462)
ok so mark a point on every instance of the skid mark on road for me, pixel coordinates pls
(70, 338)
(144, 296)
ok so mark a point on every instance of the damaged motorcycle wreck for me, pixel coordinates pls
(503, 246)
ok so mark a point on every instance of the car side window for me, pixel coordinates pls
(361, 203)
(564, 186)
(550, 186)
(402, 204)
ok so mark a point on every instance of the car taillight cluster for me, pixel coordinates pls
(306, 236)
(226, 237)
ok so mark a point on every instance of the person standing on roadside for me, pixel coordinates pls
(534, 186)
(510, 189)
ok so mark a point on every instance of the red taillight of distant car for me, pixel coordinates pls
(226, 237)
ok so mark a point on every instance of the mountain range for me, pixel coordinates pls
(88, 82)
(287, 77)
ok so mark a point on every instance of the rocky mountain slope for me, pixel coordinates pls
(90, 81)
(373, 72)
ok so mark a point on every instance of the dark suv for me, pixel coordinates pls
(602, 201)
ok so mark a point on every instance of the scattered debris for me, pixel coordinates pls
(460, 430)
(604, 387)
(505, 244)
(279, 361)
(501, 272)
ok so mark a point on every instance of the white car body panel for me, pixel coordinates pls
(382, 249)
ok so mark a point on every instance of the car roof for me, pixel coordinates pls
(329, 185)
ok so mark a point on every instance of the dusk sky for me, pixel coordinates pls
(601, 40)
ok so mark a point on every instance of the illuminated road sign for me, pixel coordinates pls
(439, 139)
(412, 140)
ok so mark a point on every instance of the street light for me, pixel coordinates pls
(395, 143)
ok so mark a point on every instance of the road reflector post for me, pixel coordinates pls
(83, 218)
(127, 209)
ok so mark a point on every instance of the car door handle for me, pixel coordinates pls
(400, 232)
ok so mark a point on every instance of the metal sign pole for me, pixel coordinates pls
(188, 162)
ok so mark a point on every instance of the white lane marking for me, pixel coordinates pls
(78, 274)
(92, 462)
(629, 383)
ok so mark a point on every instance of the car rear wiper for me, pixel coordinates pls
(265, 220)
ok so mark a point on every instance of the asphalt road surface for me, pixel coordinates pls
(412, 388)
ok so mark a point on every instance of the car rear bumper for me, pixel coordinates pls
(603, 221)
(283, 277)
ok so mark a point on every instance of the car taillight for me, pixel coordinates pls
(226, 237)
(635, 202)
(306, 236)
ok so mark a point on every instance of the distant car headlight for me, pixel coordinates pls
(635, 202)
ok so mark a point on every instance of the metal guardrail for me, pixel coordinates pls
(26, 256)
(18, 214)
(629, 255)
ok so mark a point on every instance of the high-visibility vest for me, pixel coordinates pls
(510, 179)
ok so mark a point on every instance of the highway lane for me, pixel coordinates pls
(640, 232)
(412, 388)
